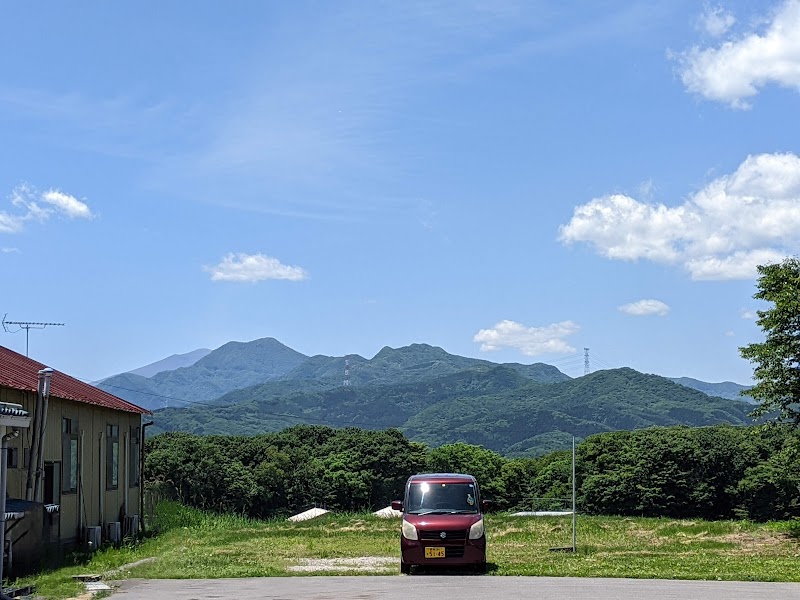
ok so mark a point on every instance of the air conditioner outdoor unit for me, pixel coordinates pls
(93, 537)
(131, 525)
(114, 532)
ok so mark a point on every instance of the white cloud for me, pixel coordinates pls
(723, 231)
(729, 333)
(716, 21)
(253, 267)
(35, 206)
(750, 315)
(7, 250)
(66, 204)
(10, 223)
(643, 308)
(738, 68)
(531, 341)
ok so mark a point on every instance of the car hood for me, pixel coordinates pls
(426, 522)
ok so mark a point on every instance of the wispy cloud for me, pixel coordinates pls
(749, 315)
(7, 250)
(643, 308)
(126, 126)
(724, 231)
(739, 67)
(32, 205)
(716, 21)
(253, 267)
(531, 341)
(311, 114)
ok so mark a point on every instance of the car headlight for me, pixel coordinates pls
(477, 530)
(409, 531)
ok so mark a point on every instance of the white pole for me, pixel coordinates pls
(573, 493)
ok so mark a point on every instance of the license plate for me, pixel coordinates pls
(434, 552)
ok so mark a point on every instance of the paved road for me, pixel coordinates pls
(435, 587)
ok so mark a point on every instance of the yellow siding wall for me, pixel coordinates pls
(99, 505)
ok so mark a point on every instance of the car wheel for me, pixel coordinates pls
(405, 568)
(480, 568)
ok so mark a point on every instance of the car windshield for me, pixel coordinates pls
(428, 498)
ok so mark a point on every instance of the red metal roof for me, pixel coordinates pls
(21, 373)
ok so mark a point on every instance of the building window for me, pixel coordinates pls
(112, 457)
(12, 458)
(69, 456)
(133, 467)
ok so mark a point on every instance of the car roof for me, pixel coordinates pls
(442, 478)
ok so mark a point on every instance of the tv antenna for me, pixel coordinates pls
(27, 326)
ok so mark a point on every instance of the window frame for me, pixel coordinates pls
(112, 466)
(69, 439)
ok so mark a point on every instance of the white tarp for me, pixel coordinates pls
(388, 513)
(311, 513)
(542, 513)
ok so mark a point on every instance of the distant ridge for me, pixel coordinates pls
(176, 361)
(725, 389)
(239, 365)
(230, 367)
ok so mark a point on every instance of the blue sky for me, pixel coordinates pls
(508, 180)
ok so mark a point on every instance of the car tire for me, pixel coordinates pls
(480, 568)
(405, 568)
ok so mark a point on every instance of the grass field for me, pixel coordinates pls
(198, 545)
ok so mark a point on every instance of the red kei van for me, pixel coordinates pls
(442, 522)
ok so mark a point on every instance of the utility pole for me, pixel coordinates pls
(27, 326)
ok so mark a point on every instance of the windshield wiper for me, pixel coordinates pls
(432, 511)
(440, 511)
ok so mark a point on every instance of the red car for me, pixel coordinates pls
(442, 522)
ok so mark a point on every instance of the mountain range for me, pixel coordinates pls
(238, 365)
(433, 396)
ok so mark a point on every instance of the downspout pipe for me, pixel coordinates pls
(100, 479)
(126, 464)
(32, 458)
(81, 499)
(44, 384)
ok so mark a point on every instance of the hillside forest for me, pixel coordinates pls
(715, 472)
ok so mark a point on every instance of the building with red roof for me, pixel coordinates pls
(76, 470)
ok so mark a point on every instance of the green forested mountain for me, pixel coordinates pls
(240, 365)
(232, 366)
(410, 364)
(496, 407)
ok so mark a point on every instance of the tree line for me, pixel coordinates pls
(718, 472)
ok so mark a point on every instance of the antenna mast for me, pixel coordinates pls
(27, 326)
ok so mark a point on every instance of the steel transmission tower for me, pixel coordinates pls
(346, 382)
(585, 361)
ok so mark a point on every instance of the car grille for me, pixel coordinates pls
(451, 535)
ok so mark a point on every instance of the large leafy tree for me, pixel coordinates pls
(777, 358)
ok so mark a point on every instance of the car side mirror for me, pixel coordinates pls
(397, 505)
(486, 505)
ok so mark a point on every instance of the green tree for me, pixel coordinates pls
(777, 358)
